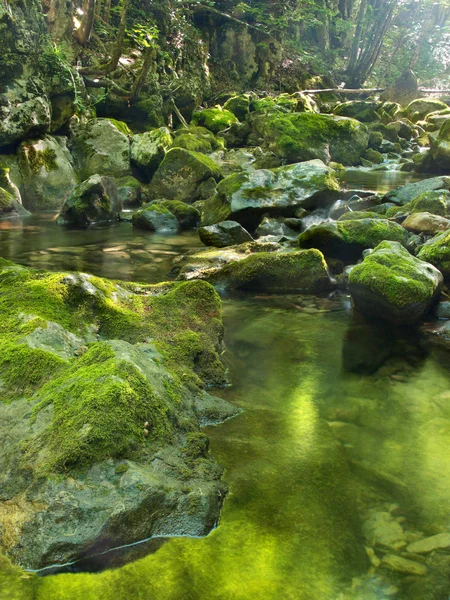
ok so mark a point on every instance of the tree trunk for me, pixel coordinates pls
(357, 39)
(117, 52)
(427, 23)
(59, 19)
(98, 9)
(83, 33)
(149, 59)
(106, 11)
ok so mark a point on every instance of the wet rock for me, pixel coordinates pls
(245, 197)
(148, 150)
(435, 542)
(96, 200)
(403, 565)
(425, 222)
(188, 216)
(47, 172)
(102, 147)
(155, 218)
(225, 233)
(270, 226)
(382, 529)
(180, 175)
(405, 193)
(347, 239)
(443, 310)
(393, 285)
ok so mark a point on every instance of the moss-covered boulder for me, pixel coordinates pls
(418, 109)
(437, 252)
(47, 172)
(197, 139)
(405, 193)
(215, 119)
(22, 117)
(10, 207)
(155, 217)
(360, 214)
(226, 233)
(130, 191)
(188, 216)
(238, 105)
(101, 146)
(393, 285)
(93, 415)
(434, 202)
(244, 197)
(148, 150)
(347, 239)
(440, 146)
(180, 175)
(306, 136)
(362, 110)
(95, 200)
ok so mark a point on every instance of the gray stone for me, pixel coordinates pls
(225, 233)
(148, 150)
(155, 218)
(405, 193)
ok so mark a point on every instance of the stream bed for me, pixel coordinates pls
(343, 421)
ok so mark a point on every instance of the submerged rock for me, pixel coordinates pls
(393, 285)
(100, 443)
(47, 173)
(225, 233)
(245, 197)
(96, 200)
(435, 542)
(399, 564)
(348, 238)
(180, 175)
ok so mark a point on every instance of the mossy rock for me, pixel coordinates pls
(373, 156)
(214, 119)
(347, 239)
(244, 197)
(148, 150)
(239, 106)
(440, 146)
(130, 191)
(226, 233)
(306, 136)
(437, 252)
(10, 207)
(359, 214)
(304, 271)
(393, 285)
(435, 202)
(364, 111)
(155, 217)
(188, 216)
(197, 139)
(180, 175)
(418, 109)
(405, 193)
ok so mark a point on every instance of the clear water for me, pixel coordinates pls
(317, 449)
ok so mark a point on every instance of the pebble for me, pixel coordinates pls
(403, 565)
(435, 542)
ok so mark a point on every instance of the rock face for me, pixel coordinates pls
(96, 200)
(100, 443)
(101, 147)
(306, 136)
(226, 233)
(437, 252)
(148, 150)
(180, 175)
(440, 146)
(47, 173)
(405, 193)
(155, 218)
(393, 285)
(347, 239)
(247, 196)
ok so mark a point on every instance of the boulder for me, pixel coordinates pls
(188, 216)
(362, 110)
(245, 197)
(435, 202)
(276, 227)
(418, 109)
(180, 175)
(440, 146)
(306, 136)
(238, 105)
(425, 222)
(347, 239)
(405, 193)
(23, 119)
(393, 285)
(148, 150)
(155, 218)
(47, 173)
(437, 252)
(108, 427)
(225, 233)
(130, 191)
(215, 119)
(95, 200)
(403, 90)
(197, 139)
(101, 146)
(10, 207)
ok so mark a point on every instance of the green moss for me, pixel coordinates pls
(187, 215)
(121, 126)
(239, 105)
(357, 214)
(437, 252)
(214, 119)
(188, 141)
(38, 159)
(6, 199)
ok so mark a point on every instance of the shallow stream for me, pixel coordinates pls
(323, 444)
